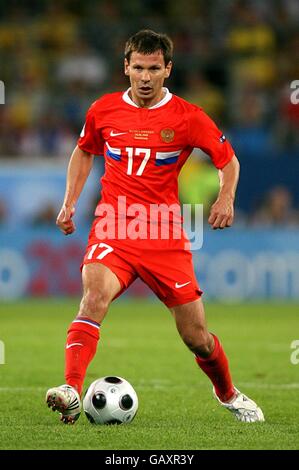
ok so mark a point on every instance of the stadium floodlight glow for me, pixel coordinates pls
(2, 92)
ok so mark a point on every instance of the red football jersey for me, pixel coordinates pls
(145, 148)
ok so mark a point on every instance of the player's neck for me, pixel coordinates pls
(141, 103)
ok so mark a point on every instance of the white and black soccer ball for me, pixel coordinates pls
(110, 400)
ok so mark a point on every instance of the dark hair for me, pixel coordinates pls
(147, 41)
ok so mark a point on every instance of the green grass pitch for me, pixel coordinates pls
(139, 342)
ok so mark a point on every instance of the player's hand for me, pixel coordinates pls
(222, 213)
(64, 220)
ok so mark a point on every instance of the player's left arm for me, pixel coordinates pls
(204, 134)
(222, 211)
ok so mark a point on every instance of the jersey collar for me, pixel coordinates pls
(165, 100)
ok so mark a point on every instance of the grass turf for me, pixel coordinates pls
(139, 342)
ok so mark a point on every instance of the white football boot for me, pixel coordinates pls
(66, 400)
(243, 408)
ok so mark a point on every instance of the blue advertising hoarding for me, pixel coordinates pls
(232, 265)
(37, 260)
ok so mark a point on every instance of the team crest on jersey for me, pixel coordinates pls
(167, 135)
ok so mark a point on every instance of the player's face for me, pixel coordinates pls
(147, 73)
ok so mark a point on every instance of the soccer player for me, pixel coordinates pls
(145, 135)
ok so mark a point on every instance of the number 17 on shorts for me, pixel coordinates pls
(102, 247)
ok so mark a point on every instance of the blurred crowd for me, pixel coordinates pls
(236, 59)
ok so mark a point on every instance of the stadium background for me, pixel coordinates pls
(237, 60)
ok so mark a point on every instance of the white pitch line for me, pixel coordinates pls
(271, 386)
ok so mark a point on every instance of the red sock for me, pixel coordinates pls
(217, 369)
(81, 346)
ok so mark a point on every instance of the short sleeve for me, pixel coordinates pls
(90, 139)
(204, 134)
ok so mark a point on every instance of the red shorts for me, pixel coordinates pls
(166, 266)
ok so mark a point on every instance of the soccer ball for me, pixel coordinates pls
(110, 400)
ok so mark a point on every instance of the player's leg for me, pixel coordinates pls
(211, 358)
(170, 274)
(100, 286)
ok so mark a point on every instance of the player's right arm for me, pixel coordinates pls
(78, 170)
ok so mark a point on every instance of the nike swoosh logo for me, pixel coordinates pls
(68, 346)
(178, 286)
(114, 134)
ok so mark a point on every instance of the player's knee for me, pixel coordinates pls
(94, 305)
(198, 342)
(203, 349)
